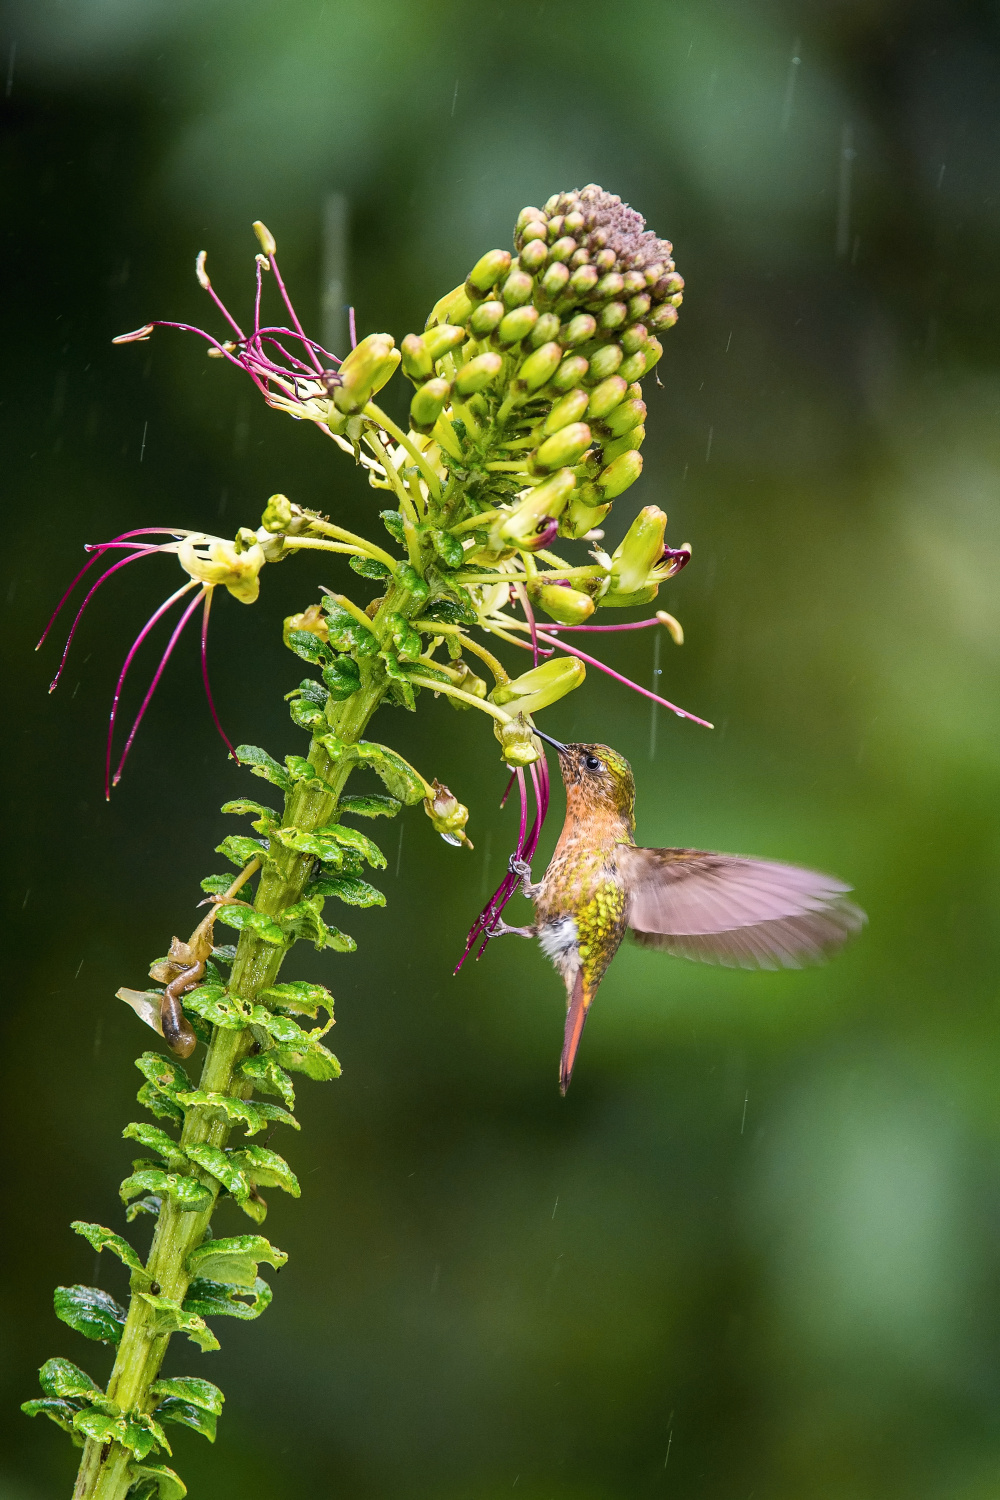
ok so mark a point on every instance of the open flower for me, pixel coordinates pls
(236, 568)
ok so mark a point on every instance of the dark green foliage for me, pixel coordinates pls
(187, 1192)
(241, 850)
(188, 1415)
(372, 806)
(261, 764)
(104, 1239)
(368, 567)
(299, 998)
(393, 523)
(347, 888)
(448, 547)
(214, 1299)
(91, 1312)
(342, 676)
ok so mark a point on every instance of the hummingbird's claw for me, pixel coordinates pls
(501, 929)
(520, 867)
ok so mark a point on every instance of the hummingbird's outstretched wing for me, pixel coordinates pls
(726, 909)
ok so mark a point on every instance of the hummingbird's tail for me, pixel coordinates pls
(576, 1018)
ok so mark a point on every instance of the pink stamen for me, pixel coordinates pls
(204, 673)
(503, 799)
(158, 614)
(122, 563)
(185, 617)
(681, 713)
(291, 311)
(629, 625)
(97, 551)
(529, 615)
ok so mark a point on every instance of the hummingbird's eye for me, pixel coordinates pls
(592, 763)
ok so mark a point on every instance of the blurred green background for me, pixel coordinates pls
(754, 1252)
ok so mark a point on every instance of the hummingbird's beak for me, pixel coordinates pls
(556, 744)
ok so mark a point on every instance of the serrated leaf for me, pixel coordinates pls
(222, 1167)
(303, 920)
(306, 714)
(162, 1072)
(368, 567)
(448, 548)
(302, 771)
(372, 806)
(170, 1317)
(308, 646)
(299, 997)
(213, 1299)
(159, 1104)
(60, 1377)
(358, 842)
(155, 1480)
(265, 1168)
(189, 1388)
(350, 889)
(155, 1139)
(275, 1113)
(100, 1426)
(91, 1312)
(59, 1412)
(323, 848)
(104, 1239)
(261, 764)
(212, 1002)
(244, 917)
(280, 1027)
(225, 1106)
(393, 523)
(266, 1075)
(240, 850)
(399, 777)
(190, 1195)
(143, 1433)
(224, 952)
(235, 1260)
(265, 818)
(401, 691)
(455, 608)
(342, 678)
(216, 885)
(315, 1061)
(188, 1415)
(151, 1205)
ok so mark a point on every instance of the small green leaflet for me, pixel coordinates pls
(299, 998)
(188, 1415)
(350, 889)
(315, 1061)
(211, 1002)
(222, 1167)
(307, 645)
(156, 1482)
(244, 917)
(358, 842)
(412, 581)
(301, 769)
(239, 1111)
(263, 765)
(306, 714)
(150, 1205)
(213, 1299)
(192, 1390)
(372, 806)
(91, 1312)
(60, 1377)
(400, 779)
(393, 523)
(240, 850)
(159, 1104)
(216, 885)
(324, 848)
(190, 1195)
(170, 1317)
(303, 920)
(235, 1260)
(266, 1075)
(100, 1426)
(102, 1239)
(157, 1140)
(162, 1072)
(265, 1168)
(342, 677)
(60, 1412)
(368, 567)
(264, 820)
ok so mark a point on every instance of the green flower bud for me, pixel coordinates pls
(486, 273)
(625, 416)
(486, 318)
(517, 289)
(365, 371)
(554, 280)
(455, 307)
(565, 447)
(478, 374)
(525, 217)
(569, 409)
(277, 514)
(604, 363)
(639, 306)
(613, 315)
(530, 525)
(578, 330)
(534, 255)
(606, 396)
(542, 686)
(417, 362)
(635, 281)
(670, 285)
(447, 814)
(624, 444)
(617, 477)
(653, 352)
(611, 285)
(575, 221)
(634, 338)
(537, 229)
(578, 518)
(518, 745)
(539, 367)
(517, 324)
(570, 372)
(545, 330)
(563, 249)
(635, 366)
(266, 238)
(662, 318)
(567, 605)
(583, 280)
(444, 337)
(580, 258)
(428, 404)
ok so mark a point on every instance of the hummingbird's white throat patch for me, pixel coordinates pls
(559, 943)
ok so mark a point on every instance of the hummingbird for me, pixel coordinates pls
(717, 908)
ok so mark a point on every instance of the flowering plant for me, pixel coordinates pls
(526, 423)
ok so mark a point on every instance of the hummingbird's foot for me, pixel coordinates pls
(521, 868)
(501, 929)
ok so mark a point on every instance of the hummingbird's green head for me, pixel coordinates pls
(598, 783)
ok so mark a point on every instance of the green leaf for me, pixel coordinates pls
(401, 690)
(162, 1072)
(342, 677)
(301, 769)
(261, 764)
(235, 1260)
(280, 1027)
(344, 630)
(456, 608)
(309, 646)
(104, 1239)
(188, 1415)
(312, 690)
(224, 1106)
(159, 1105)
(143, 1433)
(225, 953)
(306, 714)
(399, 777)
(448, 548)
(190, 1195)
(155, 1482)
(200, 1393)
(372, 806)
(59, 1412)
(410, 579)
(323, 848)
(170, 1317)
(91, 1312)
(368, 567)
(303, 920)
(223, 1167)
(275, 1113)
(405, 639)
(315, 1061)
(60, 1377)
(266, 1075)
(392, 520)
(240, 850)
(244, 917)
(213, 1299)
(266, 817)
(350, 889)
(212, 1002)
(265, 1168)
(151, 1205)
(216, 885)
(299, 998)
(157, 1140)
(100, 1426)
(355, 840)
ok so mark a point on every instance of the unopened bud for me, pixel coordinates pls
(653, 352)
(517, 324)
(606, 396)
(578, 330)
(542, 686)
(454, 307)
(570, 408)
(534, 255)
(560, 602)
(613, 315)
(642, 547)
(478, 373)
(583, 280)
(675, 627)
(565, 447)
(555, 278)
(524, 218)
(365, 371)
(486, 273)
(610, 285)
(635, 367)
(662, 318)
(539, 367)
(444, 337)
(624, 417)
(639, 306)
(533, 523)
(266, 238)
(616, 478)
(605, 362)
(634, 438)
(634, 338)
(277, 514)
(536, 229)
(428, 404)
(571, 372)
(579, 517)
(417, 362)
(486, 317)
(545, 330)
(447, 814)
(517, 289)
(563, 248)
